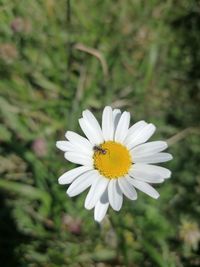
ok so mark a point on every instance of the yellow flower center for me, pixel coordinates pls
(112, 159)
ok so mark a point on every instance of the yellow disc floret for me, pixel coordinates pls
(112, 159)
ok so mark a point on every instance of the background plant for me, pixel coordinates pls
(59, 57)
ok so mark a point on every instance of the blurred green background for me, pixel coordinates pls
(60, 57)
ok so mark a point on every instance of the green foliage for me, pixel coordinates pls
(142, 56)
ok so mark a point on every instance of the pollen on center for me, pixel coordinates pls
(112, 160)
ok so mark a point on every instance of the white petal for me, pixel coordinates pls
(116, 117)
(65, 146)
(127, 189)
(136, 127)
(92, 121)
(148, 148)
(96, 191)
(101, 207)
(71, 175)
(115, 195)
(134, 130)
(122, 127)
(152, 169)
(145, 175)
(77, 158)
(141, 137)
(79, 142)
(107, 124)
(156, 158)
(93, 137)
(82, 183)
(144, 187)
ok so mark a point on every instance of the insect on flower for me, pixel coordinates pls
(115, 160)
(100, 150)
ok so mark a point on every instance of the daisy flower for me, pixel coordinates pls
(115, 160)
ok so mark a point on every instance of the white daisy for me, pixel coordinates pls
(115, 160)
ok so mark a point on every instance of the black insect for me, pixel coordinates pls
(100, 150)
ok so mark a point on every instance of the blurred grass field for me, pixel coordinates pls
(60, 57)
